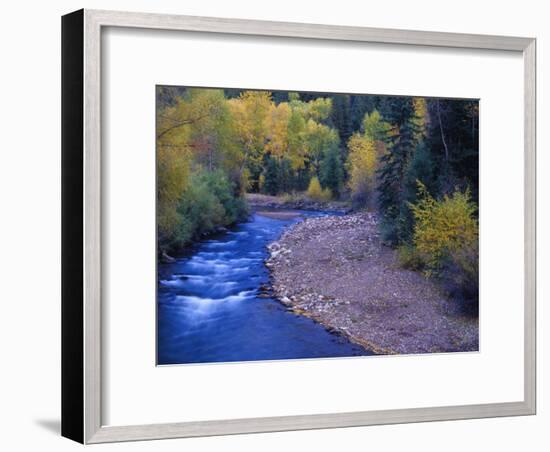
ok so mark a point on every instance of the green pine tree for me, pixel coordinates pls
(271, 175)
(401, 141)
(331, 171)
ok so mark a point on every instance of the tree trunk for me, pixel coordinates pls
(441, 130)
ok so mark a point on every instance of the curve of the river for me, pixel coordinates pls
(210, 307)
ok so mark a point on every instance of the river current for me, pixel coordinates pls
(210, 307)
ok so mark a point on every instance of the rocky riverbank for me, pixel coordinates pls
(336, 271)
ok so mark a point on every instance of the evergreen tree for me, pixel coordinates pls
(214, 145)
(420, 169)
(453, 137)
(280, 96)
(167, 96)
(359, 106)
(271, 176)
(340, 117)
(285, 176)
(331, 171)
(401, 142)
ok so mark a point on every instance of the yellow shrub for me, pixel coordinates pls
(326, 195)
(316, 193)
(314, 189)
(443, 228)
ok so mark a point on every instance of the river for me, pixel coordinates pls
(210, 307)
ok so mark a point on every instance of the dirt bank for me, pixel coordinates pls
(279, 214)
(259, 201)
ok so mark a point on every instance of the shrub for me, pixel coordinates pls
(460, 273)
(206, 204)
(326, 194)
(443, 228)
(446, 242)
(219, 185)
(314, 188)
(200, 211)
(316, 193)
(409, 258)
(293, 197)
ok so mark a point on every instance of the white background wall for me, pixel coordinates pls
(30, 226)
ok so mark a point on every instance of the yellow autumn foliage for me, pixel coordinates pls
(421, 115)
(277, 122)
(443, 228)
(316, 193)
(250, 112)
(362, 160)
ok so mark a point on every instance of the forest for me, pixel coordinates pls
(412, 160)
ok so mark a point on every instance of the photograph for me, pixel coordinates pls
(259, 227)
(294, 225)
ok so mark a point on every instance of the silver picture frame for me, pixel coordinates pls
(81, 224)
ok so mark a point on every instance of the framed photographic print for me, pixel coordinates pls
(278, 226)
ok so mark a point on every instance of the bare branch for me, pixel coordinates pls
(179, 123)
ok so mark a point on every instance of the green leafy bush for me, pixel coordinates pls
(208, 203)
(219, 185)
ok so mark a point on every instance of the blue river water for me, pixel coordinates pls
(210, 308)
